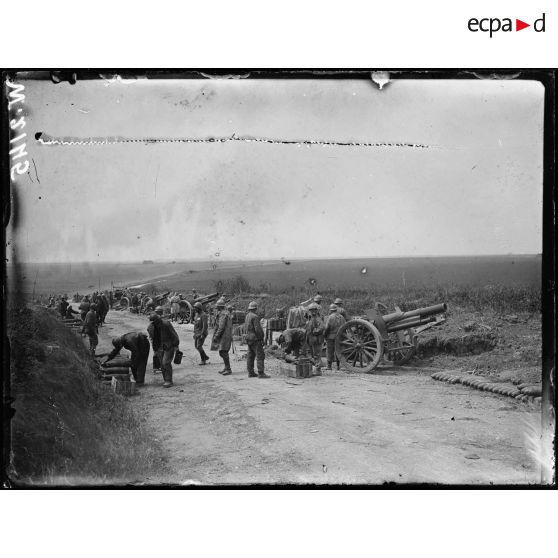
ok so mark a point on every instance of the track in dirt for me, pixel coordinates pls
(397, 425)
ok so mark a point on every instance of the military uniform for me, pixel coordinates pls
(342, 312)
(90, 328)
(62, 307)
(200, 333)
(167, 341)
(138, 344)
(254, 339)
(295, 340)
(84, 308)
(332, 324)
(315, 339)
(175, 307)
(157, 349)
(222, 337)
(70, 312)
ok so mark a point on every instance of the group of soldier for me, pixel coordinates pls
(164, 340)
(93, 311)
(306, 340)
(309, 339)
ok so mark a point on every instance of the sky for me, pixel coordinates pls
(473, 187)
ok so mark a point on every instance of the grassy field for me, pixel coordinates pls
(367, 275)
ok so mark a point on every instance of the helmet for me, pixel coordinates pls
(333, 308)
(198, 305)
(93, 306)
(159, 310)
(337, 301)
(154, 317)
(313, 306)
(220, 303)
(318, 298)
(253, 306)
(281, 339)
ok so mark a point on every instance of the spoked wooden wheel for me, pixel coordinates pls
(402, 346)
(125, 302)
(359, 346)
(186, 311)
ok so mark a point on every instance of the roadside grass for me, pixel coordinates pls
(68, 428)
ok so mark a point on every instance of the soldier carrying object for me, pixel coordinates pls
(157, 350)
(200, 331)
(165, 337)
(90, 329)
(315, 336)
(332, 324)
(222, 336)
(254, 339)
(137, 343)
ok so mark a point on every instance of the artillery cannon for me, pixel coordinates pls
(361, 343)
(187, 308)
(148, 303)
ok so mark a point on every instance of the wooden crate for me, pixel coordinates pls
(302, 369)
(124, 387)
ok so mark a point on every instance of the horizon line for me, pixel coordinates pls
(278, 260)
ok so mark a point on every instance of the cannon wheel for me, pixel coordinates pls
(406, 339)
(185, 311)
(359, 346)
(125, 302)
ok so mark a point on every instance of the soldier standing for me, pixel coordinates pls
(254, 339)
(222, 336)
(339, 303)
(318, 303)
(332, 324)
(84, 307)
(167, 340)
(175, 307)
(89, 328)
(200, 331)
(157, 351)
(63, 306)
(315, 336)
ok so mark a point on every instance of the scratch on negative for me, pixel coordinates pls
(36, 173)
(44, 139)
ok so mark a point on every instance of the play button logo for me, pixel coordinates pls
(519, 25)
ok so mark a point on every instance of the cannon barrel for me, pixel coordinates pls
(411, 322)
(419, 312)
(207, 298)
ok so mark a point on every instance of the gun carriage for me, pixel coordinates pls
(362, 342)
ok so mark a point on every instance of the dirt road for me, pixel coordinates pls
(397, 425)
